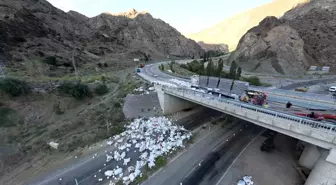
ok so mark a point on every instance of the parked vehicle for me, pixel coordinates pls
(141, 65)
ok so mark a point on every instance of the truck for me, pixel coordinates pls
(194, 81)
(141, 65)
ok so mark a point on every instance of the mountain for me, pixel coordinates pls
(214, 47)
(232, 29)
(35, 29)
(304, 36)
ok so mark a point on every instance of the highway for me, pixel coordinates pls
(153, 69)
(89, 168)
(192, 165)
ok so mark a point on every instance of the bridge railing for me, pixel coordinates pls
(324, 127)
(328, 99)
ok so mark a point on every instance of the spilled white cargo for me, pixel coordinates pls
(147, 139)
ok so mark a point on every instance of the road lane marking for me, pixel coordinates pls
(180, 155)
(191, 170)
(227, 170)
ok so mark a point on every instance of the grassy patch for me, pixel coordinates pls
(9, 117)
(101, 89)
(14, 87)
(76, 90)
(178, 70)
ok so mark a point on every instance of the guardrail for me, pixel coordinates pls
(324, 127)
(326, 99)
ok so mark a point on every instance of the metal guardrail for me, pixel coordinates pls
(299, 95)
(327, 128)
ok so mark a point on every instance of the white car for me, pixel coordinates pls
(332, 89)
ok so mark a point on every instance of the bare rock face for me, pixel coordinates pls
(31, 28)
(214, 47)
(292, 44)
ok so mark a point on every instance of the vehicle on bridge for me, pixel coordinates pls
(315, 116)
(256, 97)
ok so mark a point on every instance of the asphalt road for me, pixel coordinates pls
(195, 164)
(153, 69)
(86, 169)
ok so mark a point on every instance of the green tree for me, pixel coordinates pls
(204, 57)
(202, 69)
(210, 69)
(233, 68)
(239, 71)
(219, 67)
(171, 65)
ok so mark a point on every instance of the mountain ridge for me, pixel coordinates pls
(230, 30)
(304, 36)
(31, 29)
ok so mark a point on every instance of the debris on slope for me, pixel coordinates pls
(149, 138)
(246, 181)
(180, 82)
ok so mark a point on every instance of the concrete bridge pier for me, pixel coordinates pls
(309, 156)
(171, 104)
(324, 171)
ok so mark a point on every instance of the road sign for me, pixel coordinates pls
(313, 68)
(325, 68)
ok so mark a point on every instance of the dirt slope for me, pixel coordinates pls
(30, 29)
(232, 29)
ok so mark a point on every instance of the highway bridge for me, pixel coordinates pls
(320, 152)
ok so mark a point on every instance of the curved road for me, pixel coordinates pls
(153, 69)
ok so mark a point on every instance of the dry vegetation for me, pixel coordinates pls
(72, 110)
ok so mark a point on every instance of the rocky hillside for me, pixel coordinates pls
(214, 47)
(31, 29)
(304, 36)
(232, 29)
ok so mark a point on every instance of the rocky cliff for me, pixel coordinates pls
(214, 47)
(35, 29)
(230, 30)
(304, 36)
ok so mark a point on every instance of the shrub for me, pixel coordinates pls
(101, 89)
(253, 81)
(78, 90)
(51, 60)
(105, 65)
(9, 117)
(99, 65)
(14, 87)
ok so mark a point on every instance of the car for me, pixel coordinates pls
(155, 75)
(332, 89)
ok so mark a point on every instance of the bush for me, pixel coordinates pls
(14, 87)
(101, 89)
(51, 60)
(253, 81)
(78, 91)
(9, 117)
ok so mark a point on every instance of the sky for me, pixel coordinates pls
(187, 16)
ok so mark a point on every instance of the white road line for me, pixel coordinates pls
(180, 155)
(191, 170)
(227, 170)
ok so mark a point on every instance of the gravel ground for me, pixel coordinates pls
(275, 168)
(142, 105)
